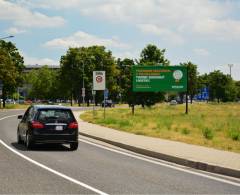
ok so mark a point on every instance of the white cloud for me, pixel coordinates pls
(226, 70)
(14, 31)
(201, 52)
(220, 29)
(81, 38)
(30, 60)
(171, 18)
(24, 17)
(163, 33)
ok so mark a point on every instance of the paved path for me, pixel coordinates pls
(195, 156)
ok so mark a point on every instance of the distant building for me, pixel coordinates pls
(28, 68)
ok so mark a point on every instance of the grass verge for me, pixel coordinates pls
(211, 125)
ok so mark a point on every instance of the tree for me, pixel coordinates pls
(11, 67)
(192, 78)
(221, 87)
(78, 65)
(43, 83)
(151, 55)
(125, 79)
(237, 84)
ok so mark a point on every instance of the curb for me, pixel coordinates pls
(181, 161)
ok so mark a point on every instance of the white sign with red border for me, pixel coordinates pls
(99, 82)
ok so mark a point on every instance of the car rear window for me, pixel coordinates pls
(53, 115)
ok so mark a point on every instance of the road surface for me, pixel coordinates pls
(95, 168)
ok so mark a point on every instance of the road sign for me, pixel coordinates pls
(99, 82)
(159, 78)
(106, 92)
(0, 91)
(203, 94)
(83, 92)
(93, 92)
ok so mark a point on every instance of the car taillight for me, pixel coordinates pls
(37, 125)
(73, 125)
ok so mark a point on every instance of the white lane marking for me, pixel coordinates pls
(162, 164)
(49, 169)
(8, 117)
(53, 171)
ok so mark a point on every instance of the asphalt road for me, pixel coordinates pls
(91, 169)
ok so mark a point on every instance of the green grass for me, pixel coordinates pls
(211, 125)
(16, 106)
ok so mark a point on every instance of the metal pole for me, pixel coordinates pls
(11, 36)
(104, 102)
(83, 96)
(186, 112)
(230, 67)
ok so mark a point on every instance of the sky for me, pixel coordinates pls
(205, 32)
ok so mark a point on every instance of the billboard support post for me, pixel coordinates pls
(186, 112)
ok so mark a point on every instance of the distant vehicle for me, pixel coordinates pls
(173, 102)
(108, 103)
(10, 101)
(20, 101)
(48, 124)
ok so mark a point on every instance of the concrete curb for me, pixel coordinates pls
(189, 163)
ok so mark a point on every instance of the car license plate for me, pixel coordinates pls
(59, 128)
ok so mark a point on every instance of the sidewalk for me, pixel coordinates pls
(203, 158)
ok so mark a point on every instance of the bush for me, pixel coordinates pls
(185, 131)
(234, 134)
(207, 133)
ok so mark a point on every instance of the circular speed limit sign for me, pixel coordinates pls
(99, 79)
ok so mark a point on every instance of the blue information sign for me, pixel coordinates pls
(106, 93)
(203, 94)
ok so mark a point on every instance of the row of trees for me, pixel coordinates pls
(76, 68)
(11, 67)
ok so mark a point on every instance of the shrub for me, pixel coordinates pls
(234, 134)
(207, 133)
(185, 131)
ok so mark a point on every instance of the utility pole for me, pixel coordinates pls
(11, 36)
(230, 68)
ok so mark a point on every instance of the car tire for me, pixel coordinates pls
(29, 143)
(19, 139)
(73, 146)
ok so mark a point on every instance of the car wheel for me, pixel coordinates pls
(19, 139)
(73, 146)
(29, 142)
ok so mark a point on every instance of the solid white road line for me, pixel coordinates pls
(8, 117)
(49, 169)
(162, 164)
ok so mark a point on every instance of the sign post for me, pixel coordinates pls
(93, 94)
(1, 92)
(105, 98)
(99, 83)
(83, 95)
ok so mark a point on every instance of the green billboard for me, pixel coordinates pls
(159, 78)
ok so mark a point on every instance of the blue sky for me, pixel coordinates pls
(206, 32)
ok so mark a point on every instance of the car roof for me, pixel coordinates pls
(51, 107)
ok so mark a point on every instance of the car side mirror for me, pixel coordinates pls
(20, 116)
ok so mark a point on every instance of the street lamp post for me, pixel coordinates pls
(11, 36)
(83, 89)
(230, 67)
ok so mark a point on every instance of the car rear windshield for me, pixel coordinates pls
(55, 115)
